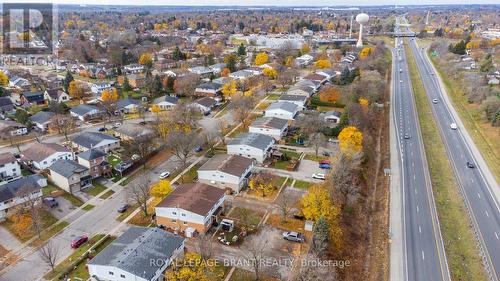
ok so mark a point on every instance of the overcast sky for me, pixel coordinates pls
(263, 2)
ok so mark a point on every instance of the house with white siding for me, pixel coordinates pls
(9, 167)
(226, 171)
(19, 191)
(42, 155)
(271, 126)
(251, 145)
(283, 110)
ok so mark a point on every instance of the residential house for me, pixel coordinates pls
(96, 161)
(299, 100)
(217, 68)
(329, 73)
(9, 128)
(37, 98)
(19, 82)
(271, 126)
(86, 112)
(332, 116)
(251, 145)
(301, 90)
(56, 95)
(201, 70)
(6, 106)
(136, 81)
(9, 167)
(131, 131)
(282, 109)
(41, 155)
(241, 74)
(166, 102)
(190, 206)
(88, 140)
(204, 105)
(41, 120)
(19, 191)
(128, 106)
(304, 60)
(316, 77)
(226, 171)
(99, 87)
(134, 68)
(69, 175)
(130, 256)
(493, 81)
(209, 89)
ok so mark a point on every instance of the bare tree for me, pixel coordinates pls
(310, 270)
(186, 85)
(285, 204)
(344, 175)
(183, 145)
(256, 249)
(204, 246)
(311, 123)
(30, 204)
(317, 140)
(141, 146)
(139, 192)
(63, 124)
(222, 129)
(49, 252)
(242, 108)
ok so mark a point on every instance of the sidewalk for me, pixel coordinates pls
(9, 241)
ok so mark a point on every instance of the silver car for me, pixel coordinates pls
(294, 236)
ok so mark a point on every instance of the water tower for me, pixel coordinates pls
(362, 19)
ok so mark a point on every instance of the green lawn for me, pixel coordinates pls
(247, 216)
(459, 242)
(75, 201)
(88, 207)
(96, 189)
(302, 184)
(114, 160)
(273, 97)
(107, 194)
(80, 271)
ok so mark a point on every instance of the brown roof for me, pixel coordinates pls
(198, 198)
(315, 77)
(231, 164)
(39, 151)
(6, 158)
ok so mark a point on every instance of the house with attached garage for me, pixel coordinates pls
(282, 109)
(42, 120)
(271, 126)
(329, 73)
(90, 140)
(19, 191)
(9, 129)
(226, 171)
(56, 95)
(191, 206)
(9, 167)
(86, 112)
(302, 90)
(69, 175)
(241, 74)
(204, 105)
(32, 98)
(128, 106)
(99, 87)
(299, 100)
(139, 254)
(315, 77)
(166, 102)
(41, 155)
(134, 68)
(131, 132)
(6, 106)
(19, 82)
(251, 145)
(332, 116)
(304, 60)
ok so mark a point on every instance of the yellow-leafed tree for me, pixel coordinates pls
(229, 89)
(270, 72)
(161, 189)
(146, 59)
(363, 102)
(155, 108)
(324, 63)
(350, 139)
(329, 94)
(305, 49)
(317, 203)
(365, 52)
(262, 183)
(4, 79)
(261, 58)
(193, 267)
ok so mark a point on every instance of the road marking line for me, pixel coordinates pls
(423, 256)
(496, 235)
(488, 215)
(479, 196)
(416, 192)
(419, 229)
(414, 177)
(417, 208)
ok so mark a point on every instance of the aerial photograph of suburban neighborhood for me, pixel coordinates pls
(254, 140)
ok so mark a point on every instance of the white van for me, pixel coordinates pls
(453, 126)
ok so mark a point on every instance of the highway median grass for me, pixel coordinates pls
(459, 242)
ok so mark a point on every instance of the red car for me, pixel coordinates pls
(78, 241)
(324, 162)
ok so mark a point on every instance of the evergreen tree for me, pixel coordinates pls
(242, 50)
(321, 235)
(487, 64)
(126, 85)
(156, 86)
(177, 55)
(67, 80)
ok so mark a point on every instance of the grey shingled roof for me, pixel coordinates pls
(197, 197)
(167, 98)
(42, 117)
(269, 122)
(91, 154)
(231, 164)
(39, 151)
(293, 98)
(10, 190)
(136, 247)
(284, 105)
(126, 102)
(209, 86)
(259, 141)
(83, 109)
(90, 139)
(67, 168)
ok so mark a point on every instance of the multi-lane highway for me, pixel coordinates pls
(423, 254)
(475, 181)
